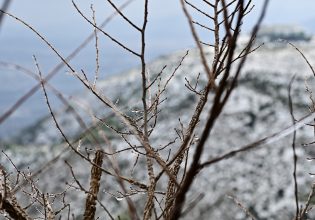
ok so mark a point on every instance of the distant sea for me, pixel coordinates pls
(14, 84)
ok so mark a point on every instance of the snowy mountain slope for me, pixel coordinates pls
(261, 179)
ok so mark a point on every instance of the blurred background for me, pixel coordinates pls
(60, 23)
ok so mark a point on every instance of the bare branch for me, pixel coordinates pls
(103, 32)
(264, 141)
(96, 173)
(58, 67)
(296, 193)
(123, 16)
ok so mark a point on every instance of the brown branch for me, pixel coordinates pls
(70, 144)
(304, 57)
(302, 214)
(226, 6)
(216, 37)
(149, 205)
(4, 7)
(240, 204)
(42, 38)
(199, 10)
(205, 65)
(215, 112)
(209, 3)
(8, 202)
(96, 173)
(58, 67)
(57, 93)
(203, 26)
(132, 126)
(264, 141)
(96, 50)
(103, 32)
(123, 16)
(296, 192)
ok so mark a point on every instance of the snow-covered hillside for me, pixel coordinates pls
(261, 179)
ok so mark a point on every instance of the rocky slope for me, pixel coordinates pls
(261, 179)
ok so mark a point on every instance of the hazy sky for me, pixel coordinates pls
(167, 31)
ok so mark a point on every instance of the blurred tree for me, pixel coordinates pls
(4, 7)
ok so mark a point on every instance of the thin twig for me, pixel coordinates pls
(103, 32)
(264, 141)
(296, 193)
(96, 49)
(58, 67)
(5, 7)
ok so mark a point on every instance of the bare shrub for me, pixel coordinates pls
(165, 166)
